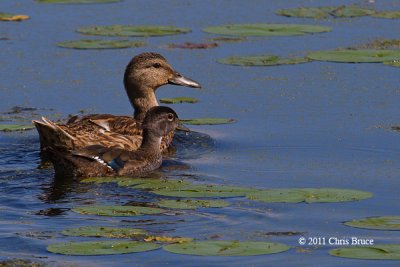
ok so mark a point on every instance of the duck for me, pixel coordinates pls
(99, 160)
(144, 74)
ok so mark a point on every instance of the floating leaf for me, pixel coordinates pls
(377, 223)
(191, 203)
(117, 210)
(266, 29)
(351, 11)
(356, 56)
(12, 17)
(208, 121)
(77, 1)
(306, 12)
(393, 63)
(167, 239)
(162, 184)
(308, 195)
(228, 39)
(15, 127)
(127, 30)
(176, 100)
(226, 248)
(204, 191)
(189, 45)
(387, 14)
(21, 263)
(100, 44)
(262, 60)
(101, 247)
(100, 231)
(380, 44)
(376, 252)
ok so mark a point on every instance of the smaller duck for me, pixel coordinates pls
(99, 160)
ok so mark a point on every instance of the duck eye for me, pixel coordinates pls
(170, 116)
(156, 65)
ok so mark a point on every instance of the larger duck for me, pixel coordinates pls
(98, 160)
(143, 75)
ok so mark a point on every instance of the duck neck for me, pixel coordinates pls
(150, 142)
(142, 99)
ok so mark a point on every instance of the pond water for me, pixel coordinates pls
(317, 124)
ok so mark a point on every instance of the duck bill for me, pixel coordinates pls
(178, 79)
(182, 127)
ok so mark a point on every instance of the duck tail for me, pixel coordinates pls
(53, 135)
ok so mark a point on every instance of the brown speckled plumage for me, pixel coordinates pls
(98, 160)
(143, 75)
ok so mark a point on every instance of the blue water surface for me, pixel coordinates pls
(318, 124)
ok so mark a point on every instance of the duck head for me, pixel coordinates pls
(158, 122)
(144, 74)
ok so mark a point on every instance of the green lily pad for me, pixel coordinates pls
(101, 247)
(128, 30)
(308, 195)
(262, 60)
(12, 17)
(377, 223)
(376, 252)
(21, 263)
(306, 12)
(162, 184)
(356, 56)
(122, 181)
(266, 29)
(226, 248)
(15, 127)
(200, 190)
(392, 63)
(77, 1)
(117, 210)
(176, 100)
(208, 121)
(192, 204)
(387, 14)
(351, 11)
(101, 231)
(100, 44)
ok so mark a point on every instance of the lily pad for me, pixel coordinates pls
(387, 14)
(204, 191)
(306, 12)
(266, 29)
(189, 45)
(129, 30)
(393, 63)
(351, 11)
(15, 127)
(192, 204)
(376, 252)
(109, 232)
(12, 17)
(100, 44)
(226, 248)
(262, 60)
(162, 184)
(77, 1)
(176, 100)
(21, 263)
(376, 223)
(167, 239)
(208, 121)
(308, 195)
(117, 210)
(101, 247)
(356, 56)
